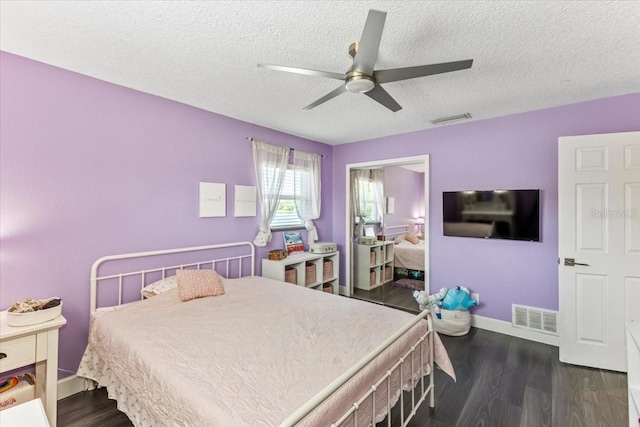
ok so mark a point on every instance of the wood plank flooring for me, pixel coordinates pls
(501, 381)
(391, 296)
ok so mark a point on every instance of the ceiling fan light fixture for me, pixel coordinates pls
(360, 84)
(362, 76)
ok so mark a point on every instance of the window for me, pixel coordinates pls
(286, 215)
(372, 209)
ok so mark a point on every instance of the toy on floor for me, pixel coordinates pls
(457, 298)
(425, 300)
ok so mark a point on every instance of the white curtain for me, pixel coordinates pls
(377, 182)
(306, 167)
(270, 163)
(359, 178)
(367, 187)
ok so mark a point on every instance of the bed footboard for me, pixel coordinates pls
(419, 391)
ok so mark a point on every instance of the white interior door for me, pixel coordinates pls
(599, 246)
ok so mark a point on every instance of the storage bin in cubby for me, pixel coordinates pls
(291, 275)
(23, 391)
(327, 269)
(310, 273)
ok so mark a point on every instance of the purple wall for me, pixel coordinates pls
(407, 189)
(517, 151)
(88, 169)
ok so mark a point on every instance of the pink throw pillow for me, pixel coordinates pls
(199, 283)
(412, 238)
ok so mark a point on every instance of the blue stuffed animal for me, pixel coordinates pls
(458, 298)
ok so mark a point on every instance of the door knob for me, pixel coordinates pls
(570, 262)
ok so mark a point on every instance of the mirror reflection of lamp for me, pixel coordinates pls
(419, 224)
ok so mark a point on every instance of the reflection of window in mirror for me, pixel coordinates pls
(369, 186)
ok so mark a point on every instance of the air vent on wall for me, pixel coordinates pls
(450, 119)
(536, 319)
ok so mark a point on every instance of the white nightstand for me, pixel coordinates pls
(35, 344)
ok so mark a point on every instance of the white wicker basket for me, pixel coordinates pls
(34, 317)
(453, 322)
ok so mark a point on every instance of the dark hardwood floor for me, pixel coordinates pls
(390, 296)
(502, 381)
(90, 409)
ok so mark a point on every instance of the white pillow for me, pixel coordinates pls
(156, 288)
(399, 239)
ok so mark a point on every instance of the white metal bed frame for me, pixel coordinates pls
(393, 231)
(304, 410)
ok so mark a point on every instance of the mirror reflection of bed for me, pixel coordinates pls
(401, 211)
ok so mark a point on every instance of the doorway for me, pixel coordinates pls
(417, 222)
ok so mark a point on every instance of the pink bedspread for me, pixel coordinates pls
(250, 357)
(408, 255)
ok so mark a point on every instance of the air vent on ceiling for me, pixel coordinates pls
(450, 119)
(536, 319)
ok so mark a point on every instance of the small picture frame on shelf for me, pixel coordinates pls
(369, 231)
(293, 242)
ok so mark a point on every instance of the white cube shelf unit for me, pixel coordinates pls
(298, 261)
(373, 265)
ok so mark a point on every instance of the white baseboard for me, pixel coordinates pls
(70, 385)
(507, 328)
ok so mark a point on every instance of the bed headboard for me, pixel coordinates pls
(393, 231)
(129, 273)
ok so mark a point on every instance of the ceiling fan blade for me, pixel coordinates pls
(338, 91)
(383, 97)
(396, 74)
(367, 52)
(317, 73)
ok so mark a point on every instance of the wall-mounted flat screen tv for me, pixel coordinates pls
(492, 214)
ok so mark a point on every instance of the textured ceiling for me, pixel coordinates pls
(527, 56)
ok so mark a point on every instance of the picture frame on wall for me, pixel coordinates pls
(244, 201)
(391, 205)
(213, 202)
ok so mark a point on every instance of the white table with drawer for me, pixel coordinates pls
(21, 346)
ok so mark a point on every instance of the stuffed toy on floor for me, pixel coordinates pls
(457, 298)
(425, 300)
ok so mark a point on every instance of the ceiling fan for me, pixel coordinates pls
(361, 77)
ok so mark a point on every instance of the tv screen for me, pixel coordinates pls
(492, 214)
